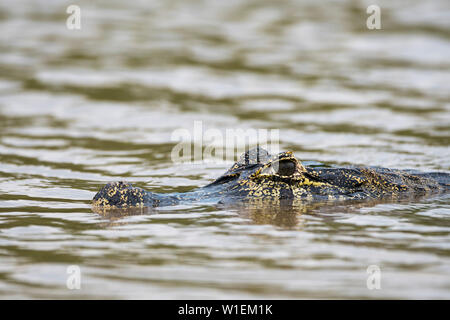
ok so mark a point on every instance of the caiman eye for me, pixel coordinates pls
(286, 167)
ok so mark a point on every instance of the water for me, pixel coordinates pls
(79, 108)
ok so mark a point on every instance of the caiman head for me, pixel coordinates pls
(257, 175)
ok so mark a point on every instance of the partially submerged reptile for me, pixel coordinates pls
(259, 176)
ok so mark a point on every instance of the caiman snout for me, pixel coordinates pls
(122, 194)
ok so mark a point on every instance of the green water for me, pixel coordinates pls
(79, 108)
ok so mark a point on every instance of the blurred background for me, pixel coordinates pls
(82, 107)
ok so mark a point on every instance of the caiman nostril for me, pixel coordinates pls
(286, 167)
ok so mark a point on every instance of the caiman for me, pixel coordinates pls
(259, 176)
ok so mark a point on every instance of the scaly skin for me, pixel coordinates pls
(259, 177)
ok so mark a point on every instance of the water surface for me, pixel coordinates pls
(79, 108)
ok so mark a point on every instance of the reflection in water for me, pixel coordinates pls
(283, 213)
(81, 108)
(287, 213)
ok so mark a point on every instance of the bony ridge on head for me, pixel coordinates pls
(283, 165)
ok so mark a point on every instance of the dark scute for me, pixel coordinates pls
(256, 155)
